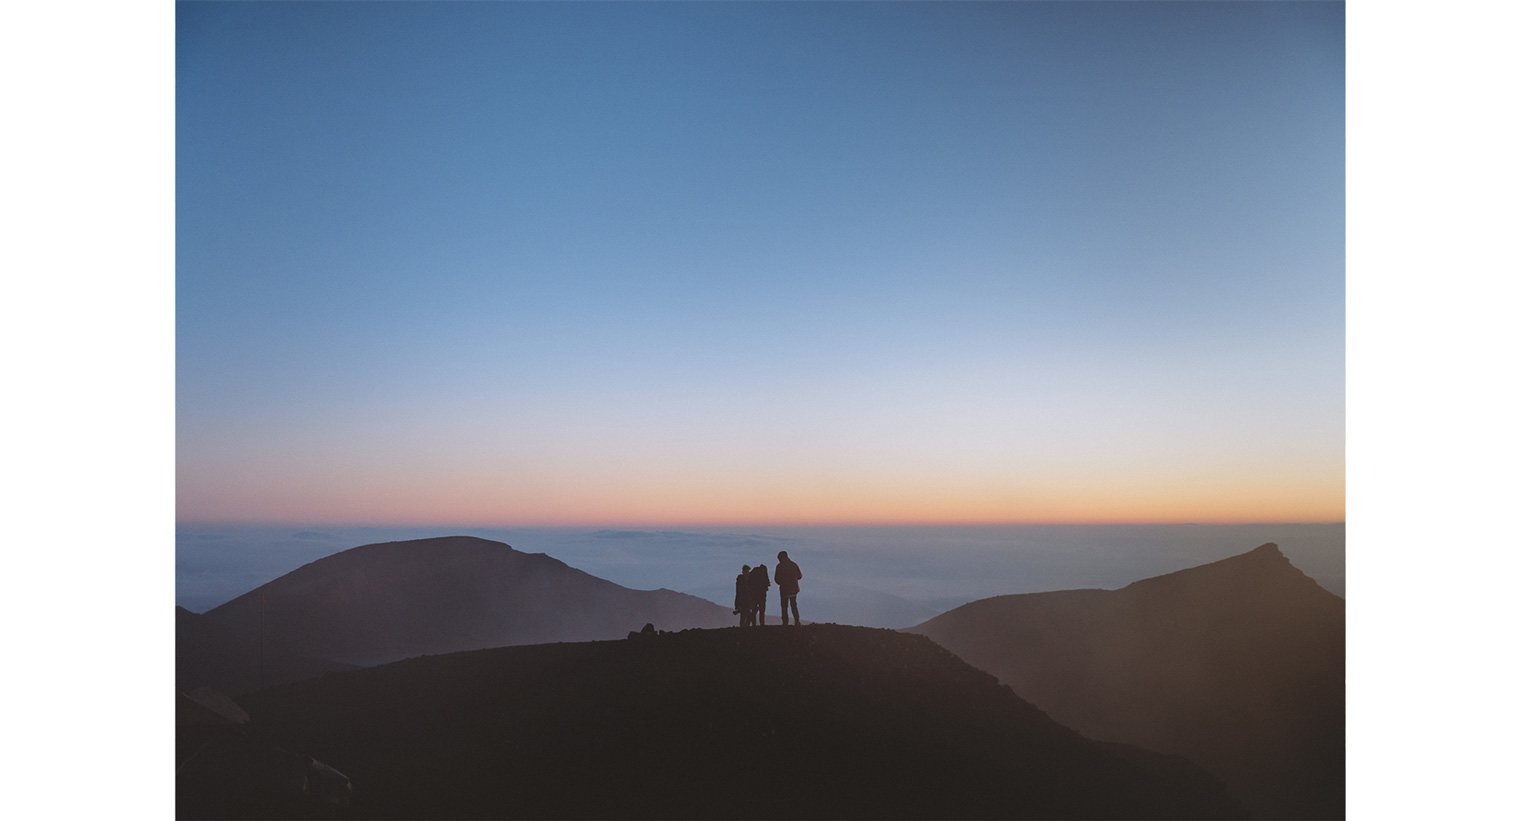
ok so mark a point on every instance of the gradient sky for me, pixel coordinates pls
(770, 263)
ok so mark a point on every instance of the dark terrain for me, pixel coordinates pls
(821, 721)
(384, 602)
(1238, 665)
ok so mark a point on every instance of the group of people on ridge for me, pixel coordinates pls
(751, 586)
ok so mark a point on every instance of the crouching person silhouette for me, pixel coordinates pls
(759, 582)
(787, 576)
(742, 605)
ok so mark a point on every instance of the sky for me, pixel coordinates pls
(790, 263)
(90, 332)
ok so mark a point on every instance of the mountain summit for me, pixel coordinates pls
(1238, 665)
(382, 602)
(819, 721)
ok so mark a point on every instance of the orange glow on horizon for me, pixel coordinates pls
(822, 502)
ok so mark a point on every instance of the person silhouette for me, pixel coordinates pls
(742, 606)
(759, 582)
(787, 576)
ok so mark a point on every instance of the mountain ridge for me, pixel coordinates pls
(1238, 665)
(390, 600)
(819, 721)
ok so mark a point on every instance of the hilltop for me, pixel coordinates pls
(1238, 665)
(383, 602)
(821, 721)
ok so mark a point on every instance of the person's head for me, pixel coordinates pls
(781, 557)
(745, 570)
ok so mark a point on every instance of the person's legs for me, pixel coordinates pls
(760, 611)
(792, 600)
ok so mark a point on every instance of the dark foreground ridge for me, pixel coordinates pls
(1238, 665)
(383, 602)
(821, 721)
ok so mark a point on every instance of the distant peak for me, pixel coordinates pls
(1267, 554)
(474, 539)
(456, 540)
(1266, 561)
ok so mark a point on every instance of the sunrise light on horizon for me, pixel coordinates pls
(600, 264)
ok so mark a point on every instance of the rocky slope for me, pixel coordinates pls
(383, 602)
(821, 721)
(1238, 665)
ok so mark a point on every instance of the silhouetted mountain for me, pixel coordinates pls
(821, 721)
(384, 602)
(1239, 665)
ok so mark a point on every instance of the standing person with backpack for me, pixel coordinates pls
(742, 606)
(787, 576)
(759, 582)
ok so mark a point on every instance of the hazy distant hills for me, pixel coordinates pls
(1238, 665)
(383, 602)
(821, 721)
(824, 601)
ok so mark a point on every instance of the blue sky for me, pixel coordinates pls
(1431, 277)
(600, 263)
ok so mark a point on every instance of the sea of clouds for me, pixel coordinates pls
(885, 576)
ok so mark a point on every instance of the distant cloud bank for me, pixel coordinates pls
(725, 539)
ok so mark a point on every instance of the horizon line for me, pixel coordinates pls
(670, 525)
